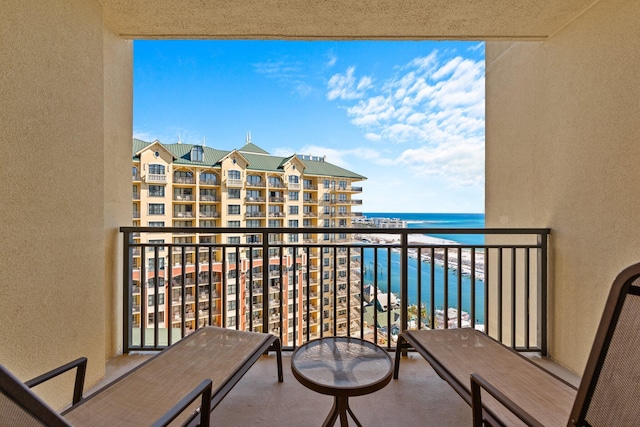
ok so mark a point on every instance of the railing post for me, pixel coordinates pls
(265, 285)
(542, 266)
(404, 282)
(127, 291)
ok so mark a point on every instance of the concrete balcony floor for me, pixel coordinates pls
(418, 397)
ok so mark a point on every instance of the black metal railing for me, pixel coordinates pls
(372, 284)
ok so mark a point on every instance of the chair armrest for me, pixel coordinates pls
(80, 364)
(477, 384)
(204, 389)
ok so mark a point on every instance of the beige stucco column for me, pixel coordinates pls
(65, 134)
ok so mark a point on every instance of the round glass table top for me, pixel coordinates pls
(342, 366)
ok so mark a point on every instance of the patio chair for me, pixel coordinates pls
(517, 391)
(164, 389)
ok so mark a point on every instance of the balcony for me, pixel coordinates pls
(184, 180)
(209, 214)
(209, 198)
(155, 178)
(234, 183)
(183, 197)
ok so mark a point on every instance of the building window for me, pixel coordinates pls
(293, 195)
(253, 223)
(207, 223)
(231, 289)
(197, 154)
(155, 169)
(293, 238)
(208, 178)
(183, 177)
(254, 179)
(293, 223)
(233, 241)
(156, 208)
(156, 223)
(232, 305)
(326, 183)
(342, 185)
(343, 223)
(326, 210)
(326, 223)
(326, 197)
(156, 191)
(293, 210)
(151, 299)
(293, 179)
(233, 209)
(234, 174)
(275, 223)
(253, 195)
(152, 263)
(253, 238)
(234, 224)
(231, 321)
(233, 193)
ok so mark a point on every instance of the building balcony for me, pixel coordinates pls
(155, 178)
(256, 215)
(254, 199)
(182, 214)
(234, 183)
(211, 182)
(209, 198)
(209, 214)
(276, 199)
(254, 184)
(184, 180)
(183, 197)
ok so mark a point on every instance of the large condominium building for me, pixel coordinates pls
(184, 185)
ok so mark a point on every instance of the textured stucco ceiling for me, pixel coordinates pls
(342, 19)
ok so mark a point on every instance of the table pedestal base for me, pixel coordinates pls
(340, 408)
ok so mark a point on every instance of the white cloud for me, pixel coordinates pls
(433, 106)
(332, 60)
(345, 86)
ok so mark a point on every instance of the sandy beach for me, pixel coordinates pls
(439, 253)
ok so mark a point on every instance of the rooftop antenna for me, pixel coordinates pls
(248, 140)
(179, 139)
(204, 141)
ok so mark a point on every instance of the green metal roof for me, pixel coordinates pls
(259, 160)
(252, 148)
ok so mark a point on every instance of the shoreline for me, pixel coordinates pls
(439, 253)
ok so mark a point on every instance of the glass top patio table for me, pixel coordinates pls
(341, 367)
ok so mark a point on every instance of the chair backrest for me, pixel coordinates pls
(609, 393)
(19, 406)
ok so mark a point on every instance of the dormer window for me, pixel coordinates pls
(196, 154)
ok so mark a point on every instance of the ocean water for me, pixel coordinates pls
(440, 220)
(423, 280)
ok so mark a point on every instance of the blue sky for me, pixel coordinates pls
(407, 115)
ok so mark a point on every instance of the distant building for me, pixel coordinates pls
(185, 185)
(379, 222)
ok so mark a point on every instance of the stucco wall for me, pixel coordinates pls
(118, 118)
(54, 206)
(562, 152)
